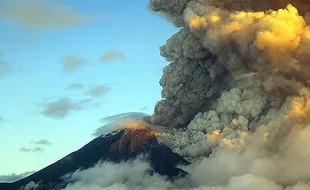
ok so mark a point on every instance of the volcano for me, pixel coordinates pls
(118, 146)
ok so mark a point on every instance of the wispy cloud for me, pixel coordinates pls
(77, 86)
(36, 14)
(2, 120)
(144, 108)
(61, 107)
(14, 177)
(72, 63)
(36, 149)
(98, 91)
(42, 142)
(5, 68)
(112, 55)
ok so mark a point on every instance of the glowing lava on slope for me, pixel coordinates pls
(136, 135)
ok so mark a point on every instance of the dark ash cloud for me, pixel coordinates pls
(36, 14)
(112, 55)
(30, 150)
(61, 107)
(5, 68)
(14, 177)
(72, 63)
(98, 91)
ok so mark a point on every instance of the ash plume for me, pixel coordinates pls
(238, 84)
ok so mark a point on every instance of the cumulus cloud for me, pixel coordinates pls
(72, 63)
(77, 86)
(98, 91)
(61, 107)
(14, 177)
(112, 55)
(123, 176)
(42, 142)
(5, 68)
(30, 186)
(36, 149)
(35, 14)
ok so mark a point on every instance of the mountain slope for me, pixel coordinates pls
(119, 146)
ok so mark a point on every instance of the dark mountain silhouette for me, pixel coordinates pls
(118, 146)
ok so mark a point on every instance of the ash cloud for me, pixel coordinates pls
(244, 116)
(35, 14)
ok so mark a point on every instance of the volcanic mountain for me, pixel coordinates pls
(121, 145)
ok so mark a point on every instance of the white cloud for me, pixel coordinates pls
(30, 186)
(72, 63)
(42, 142)
(112, 55)
(74, 86)
(98, 91)
(123, 176)
(2, 120)
(14, 177)
(36, 149)
(61, 107)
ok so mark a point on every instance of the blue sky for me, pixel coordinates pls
(66, 64)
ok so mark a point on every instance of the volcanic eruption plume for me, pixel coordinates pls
(236, 93)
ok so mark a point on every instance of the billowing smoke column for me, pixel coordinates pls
(238, 85)
(267, 48)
